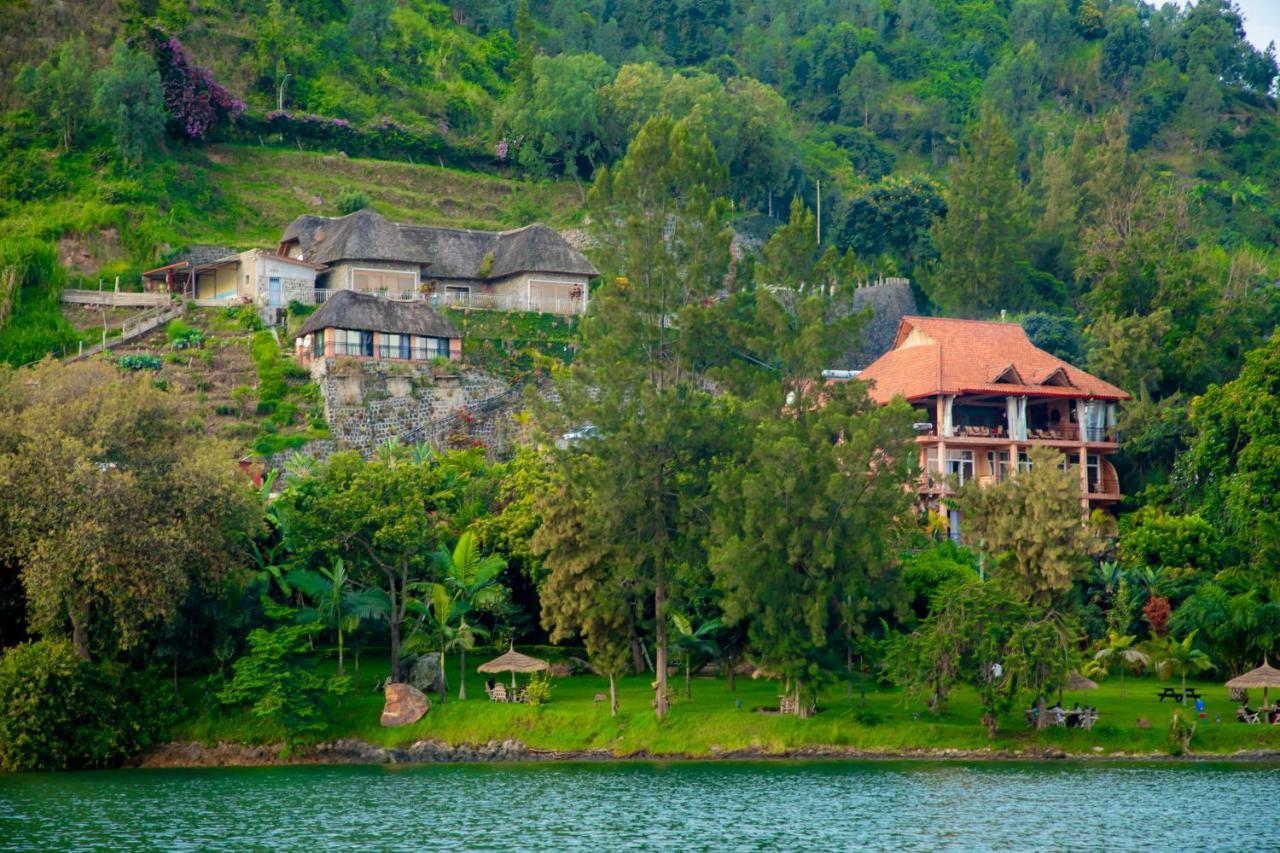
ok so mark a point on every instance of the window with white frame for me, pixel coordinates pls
(384, 281)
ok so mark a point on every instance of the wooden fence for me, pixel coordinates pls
(134, 327)
(113, 299)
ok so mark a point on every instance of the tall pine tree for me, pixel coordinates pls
(981, 238)
(640, 379)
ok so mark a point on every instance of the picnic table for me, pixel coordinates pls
(1175, 693)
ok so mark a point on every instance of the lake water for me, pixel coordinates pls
(684, 806)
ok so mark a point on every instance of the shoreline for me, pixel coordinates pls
(351, 751)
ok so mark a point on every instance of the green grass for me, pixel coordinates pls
(274, 185)
(717, 721)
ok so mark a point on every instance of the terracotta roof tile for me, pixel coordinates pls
(934, 355)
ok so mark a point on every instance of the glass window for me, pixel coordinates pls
(378, 281)
(366, 344)
(960, 464)
(317, 343)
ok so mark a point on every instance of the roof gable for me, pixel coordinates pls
(1007, 375)
(1058, 376)
(934, 355)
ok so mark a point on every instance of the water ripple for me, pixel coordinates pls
(693, 806)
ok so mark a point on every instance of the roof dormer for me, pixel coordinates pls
(1058, 377)
(1007, 375)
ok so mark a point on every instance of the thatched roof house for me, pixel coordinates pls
(363, 325)
(532, 267)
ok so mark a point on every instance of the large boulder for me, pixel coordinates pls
(427, 674)
(405, 704)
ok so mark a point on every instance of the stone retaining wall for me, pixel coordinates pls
(369, 402)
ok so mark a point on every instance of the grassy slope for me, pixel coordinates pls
(244, 196)
(274, 185)
(717, 720)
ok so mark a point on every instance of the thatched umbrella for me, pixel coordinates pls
(512, 661)
(1264, 676)
(1078, 682)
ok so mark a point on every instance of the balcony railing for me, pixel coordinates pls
(316, 296)
(506, 302)
(473, 301)
(1062, 432)
(410, 353)
(1104, 485)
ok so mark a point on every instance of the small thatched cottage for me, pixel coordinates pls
(528, 269)
(361, 325)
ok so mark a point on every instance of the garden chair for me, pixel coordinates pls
(1245, 714)
(498, 693)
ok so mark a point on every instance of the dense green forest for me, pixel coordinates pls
(1104, 167)
(1101, 172)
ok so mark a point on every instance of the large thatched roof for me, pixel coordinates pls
(445, 252)
(889, 301)
(1264, 676)
(513, 661)
(364, 312)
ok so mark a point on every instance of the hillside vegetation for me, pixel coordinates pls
(1100, 171)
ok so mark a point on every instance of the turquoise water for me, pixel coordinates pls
(693, 806)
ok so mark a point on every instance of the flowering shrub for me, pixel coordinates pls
(196, 103)
(382, 137)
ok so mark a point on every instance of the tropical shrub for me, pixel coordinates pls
(349, 201)
(58, 712)
(538, 692)
(182, 336)
(275, 682)
(134, 361)
(31, 321)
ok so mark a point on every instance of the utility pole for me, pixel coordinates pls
(819, 211)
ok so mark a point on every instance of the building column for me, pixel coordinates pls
(1082, 413)
(1084, 476)
(943, 430)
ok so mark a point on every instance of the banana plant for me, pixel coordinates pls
(469, 578)
(693, 642)
(268, 559)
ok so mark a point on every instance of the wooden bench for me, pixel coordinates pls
(1175, 693)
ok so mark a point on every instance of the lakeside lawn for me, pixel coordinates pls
(717, 720)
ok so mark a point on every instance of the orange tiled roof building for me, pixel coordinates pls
(985, 394)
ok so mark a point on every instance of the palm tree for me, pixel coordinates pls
(693, 642)
(1148, 580)
(467, 577)
(1181, 657)
(1120, 650)
(1107, 577)
(334, 604)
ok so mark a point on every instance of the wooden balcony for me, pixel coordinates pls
(1066, 435)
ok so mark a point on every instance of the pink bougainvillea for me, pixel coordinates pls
(196, 103)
